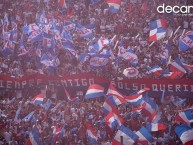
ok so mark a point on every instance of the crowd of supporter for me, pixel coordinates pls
(131, 27)
(126, 25)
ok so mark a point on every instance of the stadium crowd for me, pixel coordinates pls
(131, 27)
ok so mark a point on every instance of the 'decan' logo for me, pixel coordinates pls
(174, 9)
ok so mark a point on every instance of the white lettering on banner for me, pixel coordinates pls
(185, 88)
(70, 81)
(31, 82)
(135, 87)
(39, 81)
(142, 86)
(127, 87)
(162, 87)
(77, 83)
(51, 83)
(63, 82)
(178, 88)
(120, 85)
(17, 85)
(24, 83)
(154, 87)
(1, 84)
(84, 83)
(170, 88)
(9, 84)
(113, 83)
(91, 81)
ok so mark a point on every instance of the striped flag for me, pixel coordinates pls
(94, 91)
(62, 3)
(185, 133)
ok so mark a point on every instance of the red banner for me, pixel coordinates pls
(81, 82)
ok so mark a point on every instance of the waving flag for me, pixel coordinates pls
(56, 132)
(47, 105)
(114, 5)
(109, 105)
(186, 41)
(156, 70)
(129, 137)
(185, 132)
(188, 66)
(185, 117)
(56, 107)
(143, 90)
(69, 97)
(28, 117)
(171, 75)
(92, 136)
(42, 18)
(99, 60)
(135, 99)
(177, 66)
(144, 135)
(157, 30)
(110, 120)
(164, 54)
(34, 137)
(99, 45)
(35, 36)
(129, 55)
(30, 28)
(94, 91)
(83, 31)
(37, 100)
(117, 96)
(69, 26)
(155, 127)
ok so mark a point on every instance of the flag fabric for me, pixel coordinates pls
(83, 31)
(109, 105)
(128, 55)
(184, 117)
(30, 28)
(129, 137)
(99, 60)
(110, 120)
(94, 91)
(143, 90)
(135, 99)
(47, 105)
(91, 134)
(171, 75)
(62, 3)
(114, 5)
(156, 70)
(188, 67)
(35, 36)
(100, 44)
(157, 30)
(56, 107)
(177, 66)
(57, 130)
(69, 26)
(185, 132)
(186, 41)
(117, 96)
(164, 54)
(28, 117)
(155, 127)
(34, 137)
(69, 97)
(38, 99)
(144, 135)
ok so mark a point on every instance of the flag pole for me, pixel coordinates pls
(177, 30)
(116, 44)
(151, 43)
(121, 137)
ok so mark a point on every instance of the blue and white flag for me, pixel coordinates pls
(186, 41)
(83, 31)
(164, 54)
(99, 60)
(35, 36)
(34, 137)
(28, 117)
